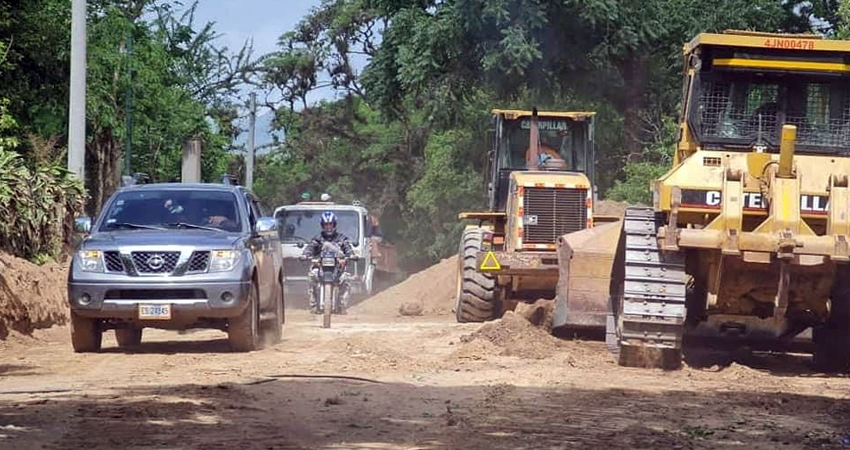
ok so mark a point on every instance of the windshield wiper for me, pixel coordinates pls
(133, 225)
(192, 225)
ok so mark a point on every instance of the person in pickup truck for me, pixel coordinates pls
(221, 215)
(329, 233)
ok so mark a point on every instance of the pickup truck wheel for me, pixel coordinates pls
(273, 328)
(128, 337)
(243, 331)
(85, 335)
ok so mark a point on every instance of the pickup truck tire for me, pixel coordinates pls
(128, 337)
(477, 299)
(273, 328)
(243, 331)
(86, 336)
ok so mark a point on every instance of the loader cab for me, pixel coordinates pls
(567, 144)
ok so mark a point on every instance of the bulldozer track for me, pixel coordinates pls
(652, 312)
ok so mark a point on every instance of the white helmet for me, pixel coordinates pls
(326, 197)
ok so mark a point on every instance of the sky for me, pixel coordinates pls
(263, 20)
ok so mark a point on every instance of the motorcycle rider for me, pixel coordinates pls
(329, 233)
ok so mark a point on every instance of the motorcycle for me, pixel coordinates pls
(331, 265)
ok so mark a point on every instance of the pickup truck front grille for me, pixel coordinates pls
(113, 262)
(155, 262)
(199, 262)
(552, 212)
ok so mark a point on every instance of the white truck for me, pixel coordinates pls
(298, 223)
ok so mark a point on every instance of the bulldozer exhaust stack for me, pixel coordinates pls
(786, 151)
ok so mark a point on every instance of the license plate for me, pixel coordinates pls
(156, 312)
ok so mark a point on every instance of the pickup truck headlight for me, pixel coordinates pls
(91, 260)
(223, 260)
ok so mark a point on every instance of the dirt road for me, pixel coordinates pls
(427, 383)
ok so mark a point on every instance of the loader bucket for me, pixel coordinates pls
(585, 263)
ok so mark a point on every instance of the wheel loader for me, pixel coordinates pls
(541, 168)
(749, 231)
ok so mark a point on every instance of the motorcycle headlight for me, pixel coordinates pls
(224, 260)
(327, 262)
(91, 260)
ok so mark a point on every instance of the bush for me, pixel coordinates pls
(636, 187)
(38, 207)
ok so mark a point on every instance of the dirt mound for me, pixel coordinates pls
(433, 288)
(514, 335)
(610, 208)
(31, 296)
(411, 309)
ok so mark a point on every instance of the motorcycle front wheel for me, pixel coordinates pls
(327, 303)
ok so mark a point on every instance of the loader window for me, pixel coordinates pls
(560, 138)
(747, 110)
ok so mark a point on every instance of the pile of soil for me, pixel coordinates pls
(514, 336)
(31, 296)
(433, 289)
(610, 208)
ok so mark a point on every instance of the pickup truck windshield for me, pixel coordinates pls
(301, 226)
(176, 208)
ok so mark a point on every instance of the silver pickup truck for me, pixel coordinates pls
(177, 256)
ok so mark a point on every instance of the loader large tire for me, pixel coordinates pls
(832, 340)
(477, 297)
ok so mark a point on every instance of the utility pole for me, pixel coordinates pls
(191, 172)
(128, 106)
(249, 161)
(77, 107)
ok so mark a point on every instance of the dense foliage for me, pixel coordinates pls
(147, 62)
(37, 205)
(407, 132)
(407, 88)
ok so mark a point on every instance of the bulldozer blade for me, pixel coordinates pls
(585, 264)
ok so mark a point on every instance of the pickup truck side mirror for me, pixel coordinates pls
(82, 225)
(265, 224)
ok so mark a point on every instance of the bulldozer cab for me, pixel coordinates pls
(743, 87)
(566, 143)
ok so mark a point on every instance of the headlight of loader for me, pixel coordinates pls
(223, 260)
(91, 260)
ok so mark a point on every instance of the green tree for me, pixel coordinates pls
(413, 123)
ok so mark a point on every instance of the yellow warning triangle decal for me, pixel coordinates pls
(490, 262)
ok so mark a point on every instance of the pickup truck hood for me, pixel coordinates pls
(153, 238)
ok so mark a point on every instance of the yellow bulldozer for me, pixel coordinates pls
(540, 184)
(749, 231)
